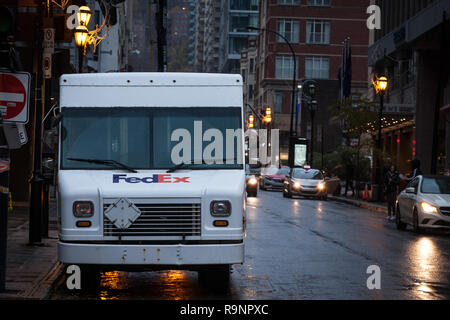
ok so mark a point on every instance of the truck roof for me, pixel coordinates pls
(150, 79)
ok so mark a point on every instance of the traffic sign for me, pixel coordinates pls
(49, 40)
(14, 96)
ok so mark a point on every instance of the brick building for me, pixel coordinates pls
(316, 30)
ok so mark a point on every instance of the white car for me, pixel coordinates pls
(425, 203)
(305, 182)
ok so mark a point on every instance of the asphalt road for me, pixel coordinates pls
(306, 249)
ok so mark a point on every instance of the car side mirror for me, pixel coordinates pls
(410, 190)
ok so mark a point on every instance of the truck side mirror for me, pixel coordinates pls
(56, 120)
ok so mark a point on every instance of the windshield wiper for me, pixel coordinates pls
(107, 162)
(203, 161)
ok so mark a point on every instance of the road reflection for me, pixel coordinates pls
(422, 254)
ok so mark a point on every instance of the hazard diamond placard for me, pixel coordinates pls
(14, 96)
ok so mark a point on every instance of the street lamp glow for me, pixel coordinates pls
(84, 15)
(81, 34)
(381, 84)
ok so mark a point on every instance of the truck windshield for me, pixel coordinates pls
(152, 138)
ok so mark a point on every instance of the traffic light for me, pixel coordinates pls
(251, 121)
(7, 22)
(268, 116)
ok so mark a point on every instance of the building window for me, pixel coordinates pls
(237, 44)
(251, 5)
(252, 65)
(289, 2)
(318, 31)
(244, 75)
(317, 67)
(278, 103)
(319, 3)
(239, 22)
(290, 29)
(284, 66)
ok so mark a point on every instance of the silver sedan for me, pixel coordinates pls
(425, 203)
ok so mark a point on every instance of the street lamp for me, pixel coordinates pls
(81, 35)
(292, 131)
(380, 84)
(84, 15)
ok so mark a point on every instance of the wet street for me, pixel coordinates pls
(305, 249)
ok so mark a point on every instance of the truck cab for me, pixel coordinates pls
(151, 173)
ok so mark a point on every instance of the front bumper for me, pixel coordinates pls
(273, 184)
(313, 192)
(434, 221)
(124, 254)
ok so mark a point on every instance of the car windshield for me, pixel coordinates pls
(284, 171)
(151, 138)
(436, 185)
(307, 174)
(271, 170)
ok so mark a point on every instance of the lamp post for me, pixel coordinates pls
(292, 131)
(380, 84)
(308, 97)
(81, 33)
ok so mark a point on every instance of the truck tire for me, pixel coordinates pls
(90, 278)
(216, 278)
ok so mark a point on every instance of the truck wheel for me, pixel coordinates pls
(90, 278)
(215, 278)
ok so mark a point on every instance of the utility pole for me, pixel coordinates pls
(36, 180)
(161, 27)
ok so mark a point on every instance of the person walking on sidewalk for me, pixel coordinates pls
(391, 181)
(349, 170)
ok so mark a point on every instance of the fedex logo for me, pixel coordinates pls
(155, 178)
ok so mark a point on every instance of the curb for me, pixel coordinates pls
(359, 204)
(43, 288)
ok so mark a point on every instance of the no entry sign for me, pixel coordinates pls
(14, 96)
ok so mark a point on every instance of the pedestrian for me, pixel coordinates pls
(391, 181)
(349, 170)
(415, 170)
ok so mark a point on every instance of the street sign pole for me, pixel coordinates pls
(4, 197)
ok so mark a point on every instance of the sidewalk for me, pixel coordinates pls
(374, 206)
(31, 270)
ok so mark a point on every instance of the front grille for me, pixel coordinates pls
(309, 191)
(445, 211)
(160, 219)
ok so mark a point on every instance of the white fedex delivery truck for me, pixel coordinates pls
(151, 173)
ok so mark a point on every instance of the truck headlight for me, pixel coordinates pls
(220, 208)
(83, 209)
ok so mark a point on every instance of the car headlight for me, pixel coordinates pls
(296, 185)
(220, 208)
(321, 186)
(252, 181)
(83, 209)
(428, 208)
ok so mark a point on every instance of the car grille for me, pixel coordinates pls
(160, 219)
(445, 211)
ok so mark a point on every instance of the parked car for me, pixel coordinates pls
(251, 184)
(305, 182)
(333, 185)
(424, 203)
(272, 177)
